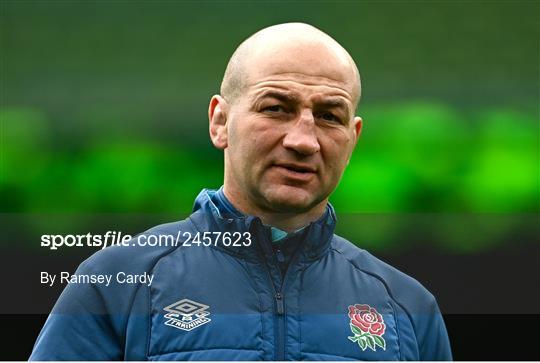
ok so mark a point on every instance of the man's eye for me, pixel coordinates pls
(274, 108)
(328, 116)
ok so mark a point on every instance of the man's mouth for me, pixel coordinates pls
(296, 171)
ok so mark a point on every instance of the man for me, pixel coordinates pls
(259, 274)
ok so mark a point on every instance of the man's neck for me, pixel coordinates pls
(288, 222)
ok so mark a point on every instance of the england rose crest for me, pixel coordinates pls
(367, 326)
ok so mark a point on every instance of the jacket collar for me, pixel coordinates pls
(209, 214)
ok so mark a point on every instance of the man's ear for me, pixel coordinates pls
(357, 129)
(358, 122)
(217, 115)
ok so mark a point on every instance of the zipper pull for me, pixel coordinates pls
(280, 256)
(279, 303)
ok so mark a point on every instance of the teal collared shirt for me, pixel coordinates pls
(226, 207)
(284, 243)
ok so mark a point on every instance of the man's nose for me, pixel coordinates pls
(301, 135)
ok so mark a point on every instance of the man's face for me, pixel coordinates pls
(292, 131)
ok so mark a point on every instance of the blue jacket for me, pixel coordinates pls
(242, 298)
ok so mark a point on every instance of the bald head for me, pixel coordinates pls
(289, 48)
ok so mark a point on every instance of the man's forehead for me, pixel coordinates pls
(310, 63)
(290, 49)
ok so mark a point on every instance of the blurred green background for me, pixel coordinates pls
(103, 109)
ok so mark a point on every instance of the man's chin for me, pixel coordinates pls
(290, 199)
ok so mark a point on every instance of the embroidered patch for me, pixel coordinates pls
(367, 326)
(186, 314)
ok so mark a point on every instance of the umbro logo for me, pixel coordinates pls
(186, 315)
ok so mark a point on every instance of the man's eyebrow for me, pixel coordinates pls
(292, 98)
(287, 97)
(334, 103)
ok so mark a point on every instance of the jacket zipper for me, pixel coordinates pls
(279, 316)
(279, 298)
(280, 310)
(280, 302)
